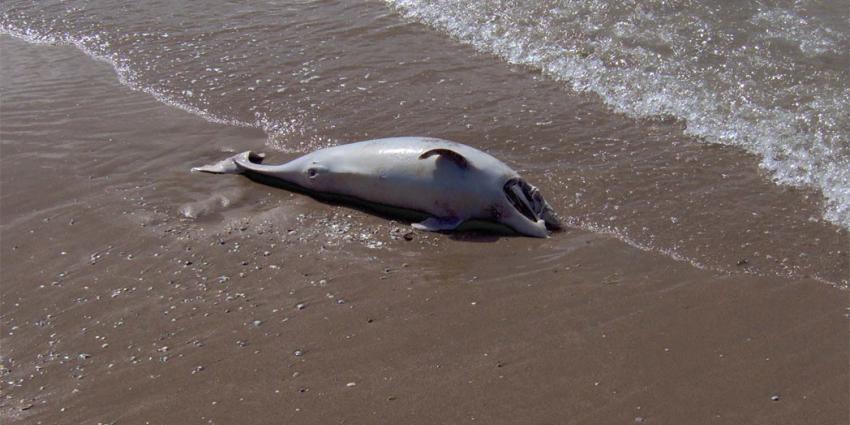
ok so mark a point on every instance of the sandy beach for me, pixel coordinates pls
(135, 292)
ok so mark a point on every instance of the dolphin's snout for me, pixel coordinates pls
(231, 165)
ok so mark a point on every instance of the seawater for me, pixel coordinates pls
(770, 77)
(644, 120)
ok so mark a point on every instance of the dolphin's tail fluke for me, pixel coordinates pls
(235, 164)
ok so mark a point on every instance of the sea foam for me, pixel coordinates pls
(764, 79)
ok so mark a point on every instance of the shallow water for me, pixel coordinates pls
(718, 137)
(130, 284)
(770, 78)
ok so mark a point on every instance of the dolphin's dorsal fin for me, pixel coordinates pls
(449, 154)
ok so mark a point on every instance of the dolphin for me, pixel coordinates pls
(449, 182)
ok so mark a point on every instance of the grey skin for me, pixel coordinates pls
(449, 182)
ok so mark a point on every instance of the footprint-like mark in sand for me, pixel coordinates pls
(215, 203)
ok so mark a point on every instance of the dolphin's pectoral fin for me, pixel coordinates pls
(231, 165)
(451, 155)
(436, 224)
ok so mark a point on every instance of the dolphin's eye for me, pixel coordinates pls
(312, 172)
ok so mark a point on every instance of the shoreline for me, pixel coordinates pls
(830, 270)
(133, 291)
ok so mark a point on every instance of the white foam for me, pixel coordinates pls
(731, 79)
(276, 129)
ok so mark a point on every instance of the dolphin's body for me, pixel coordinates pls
(448, 181)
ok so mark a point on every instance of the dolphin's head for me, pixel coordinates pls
(314, 174)
(307, 172)
(528, 213)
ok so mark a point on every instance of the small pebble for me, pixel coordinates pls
(298, 353)
(300, 306)
(351, 384)
(775, 397)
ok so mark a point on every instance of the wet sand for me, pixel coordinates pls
(136, 292)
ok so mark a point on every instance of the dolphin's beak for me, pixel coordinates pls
(232, 165)
(251, 164)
